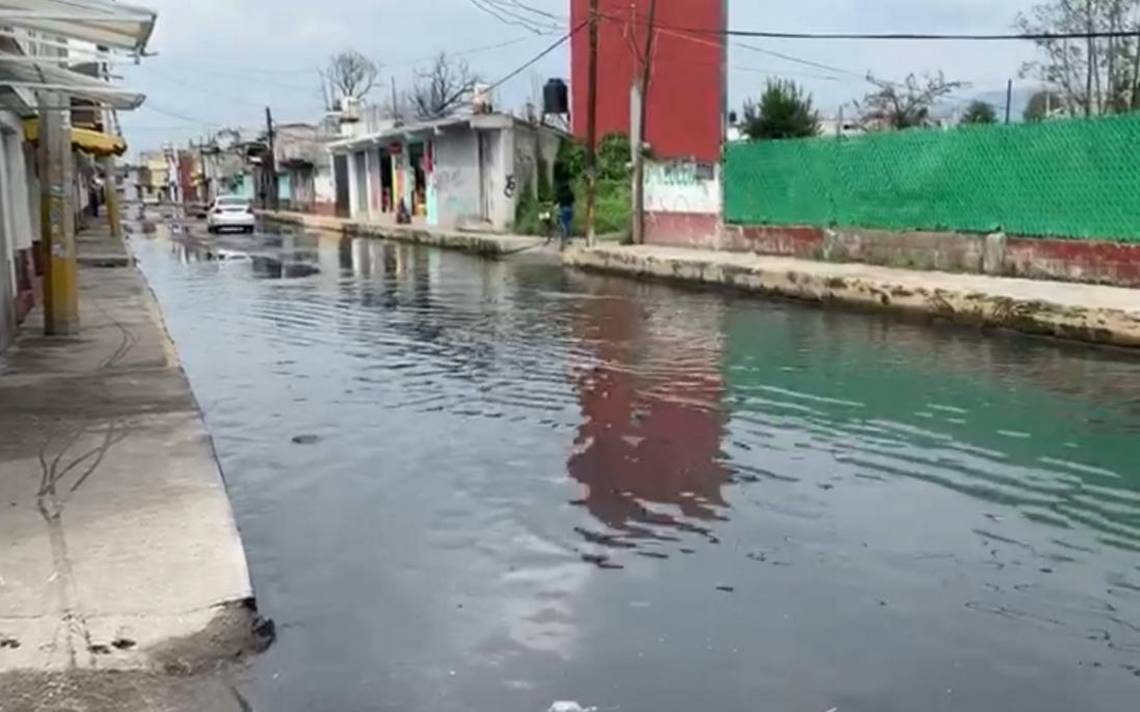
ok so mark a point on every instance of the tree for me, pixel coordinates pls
(1094, 75)
(441, 89)
(785, 111)
(349, 75)
(905, 105)
(1042, 105)
(979, 112)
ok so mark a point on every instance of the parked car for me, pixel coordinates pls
(231, 212)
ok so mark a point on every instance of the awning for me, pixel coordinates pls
(86, 140)
(38, 76)
(101, 22)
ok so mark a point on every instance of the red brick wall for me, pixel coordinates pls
(686, 95)
(1075, 260)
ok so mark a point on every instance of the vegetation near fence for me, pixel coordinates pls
(1076, 178)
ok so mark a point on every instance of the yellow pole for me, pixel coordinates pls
(61, 283)
(111, 190)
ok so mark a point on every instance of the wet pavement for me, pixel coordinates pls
(475, 485)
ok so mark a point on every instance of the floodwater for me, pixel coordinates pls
(477, 485)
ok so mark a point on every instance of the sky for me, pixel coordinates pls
(219, 63)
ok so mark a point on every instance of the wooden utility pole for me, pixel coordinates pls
(57, 221)
(111, 193)
(1008, 98)
(271, 161)
(638, 123)
(592, 127)
(395, 107)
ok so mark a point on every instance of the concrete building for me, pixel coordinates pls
(686, 113)
(685, 104)
(458, 172)
(305, 167)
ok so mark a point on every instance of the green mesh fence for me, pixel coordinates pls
(1076, 179)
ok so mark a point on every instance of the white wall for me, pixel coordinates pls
(498, 169)
(455, 178)
(324, 187)
(682, 187)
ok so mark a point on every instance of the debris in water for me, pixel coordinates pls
(726, 589)
(601, 561)
(307, 439)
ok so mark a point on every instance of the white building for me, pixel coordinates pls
(461, 171)
(53, 56)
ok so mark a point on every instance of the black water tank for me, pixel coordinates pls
(555, 97)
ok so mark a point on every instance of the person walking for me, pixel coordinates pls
(564, 194)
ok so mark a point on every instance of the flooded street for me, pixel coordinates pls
(475, 485)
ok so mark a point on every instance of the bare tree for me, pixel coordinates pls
(907, 104)
(1096, 75)
(440, 90)
(349, 75)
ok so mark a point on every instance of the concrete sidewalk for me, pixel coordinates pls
(488, 244)
(1085, 312)
(118, 546)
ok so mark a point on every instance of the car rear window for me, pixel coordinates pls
(232, 202)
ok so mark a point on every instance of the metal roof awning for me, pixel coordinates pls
(95, 143)
(38, 76)
(105, 23)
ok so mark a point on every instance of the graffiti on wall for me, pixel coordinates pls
(682, 187)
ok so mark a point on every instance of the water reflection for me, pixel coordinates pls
(816, 480)
(648, 448)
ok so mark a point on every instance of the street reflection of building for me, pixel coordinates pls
(648, 449)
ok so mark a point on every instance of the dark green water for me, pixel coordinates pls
(531, 485)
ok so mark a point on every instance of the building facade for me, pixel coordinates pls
(686, 101)
(463, 171)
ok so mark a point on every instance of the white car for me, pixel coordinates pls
(231, 212)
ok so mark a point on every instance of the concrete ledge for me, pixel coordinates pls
(1076, 260)
(1092, 313)
(491, 245)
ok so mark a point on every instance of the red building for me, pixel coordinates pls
(686, 98)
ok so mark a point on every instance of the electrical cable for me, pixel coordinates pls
(561, 41)
(487, 8)
(884, 36)
(544, 25)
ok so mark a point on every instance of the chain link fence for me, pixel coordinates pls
(1077, 178)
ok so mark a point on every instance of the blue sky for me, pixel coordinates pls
(220, 62)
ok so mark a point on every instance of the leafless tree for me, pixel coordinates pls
(1094, 75)
(440, 90)
(349, 74)
(904, 105)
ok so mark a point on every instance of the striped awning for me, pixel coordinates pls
(89, 141)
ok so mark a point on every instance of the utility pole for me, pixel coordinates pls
(395, 107)
(271, 161)
(641, 94)
(1008, 98)
(592, 127)
(57, 221)
(111, 192)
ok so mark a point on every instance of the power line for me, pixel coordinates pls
(561, 41)
(799, 60)
(513, 10)
(535, 10)
(175, 115)
(884, 36)
(473, 50)
(505, 16)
